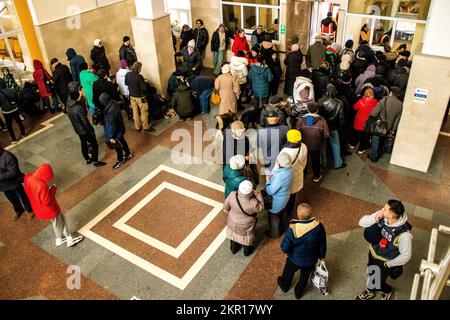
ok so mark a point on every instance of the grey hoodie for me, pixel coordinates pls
(405, 240)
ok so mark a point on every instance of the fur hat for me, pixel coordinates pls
(191, 43)
(237, 162)
(284, 160)
(246, 187)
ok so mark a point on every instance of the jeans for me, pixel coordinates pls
(218, 58)
(19, 199)
(374, 150)
(286, 278)
(336, 148)
(89, 147)
(204, 100)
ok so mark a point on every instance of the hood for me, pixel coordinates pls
(370, 70)
(259, 69)
(399, 223)
(311, 119)
(44, 173)
(301, 228)
(230, 173)
(238, 62)
(37, 65)
(326, 22)
(303, 79)
(70, 53)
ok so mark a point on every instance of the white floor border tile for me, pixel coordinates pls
(180, 283)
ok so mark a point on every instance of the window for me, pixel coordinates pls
(406, 9)
(180, 14)
(248, 14)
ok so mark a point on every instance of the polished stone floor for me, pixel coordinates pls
(154, 228)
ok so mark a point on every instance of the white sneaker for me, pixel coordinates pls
(71, 241)
(60, 241)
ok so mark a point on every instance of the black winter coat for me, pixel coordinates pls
(320, 78)
(358, 66)
(186, 36)
(201, 37)
(332, 110)
(293, 64)
(77, 113)
(190, 61)
(103, 86)
(62, 77)
(129, 54)
(98, 56)
(215, 41)
(10, 175)
(136, 84)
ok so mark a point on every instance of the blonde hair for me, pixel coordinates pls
(369, 93)
(304, 211)
(237, 125)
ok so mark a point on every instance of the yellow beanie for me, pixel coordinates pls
(294, 136)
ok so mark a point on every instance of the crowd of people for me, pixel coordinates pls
(331, 98)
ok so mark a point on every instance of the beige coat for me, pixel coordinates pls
(229, 90)
(240, 227)
(298, 167)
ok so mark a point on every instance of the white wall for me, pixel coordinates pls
(435, 41)
(46, 11)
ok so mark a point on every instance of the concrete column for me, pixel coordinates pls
(153, 42)
(421, 120)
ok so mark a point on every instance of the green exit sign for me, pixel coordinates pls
(283, 29)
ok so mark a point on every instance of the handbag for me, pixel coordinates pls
(388, 144)
(319, 277)
(374, 125)
(215, 98)
(268, 200)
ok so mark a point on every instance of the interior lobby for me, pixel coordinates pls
(154, 228)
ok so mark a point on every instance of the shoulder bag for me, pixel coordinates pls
(242, 209)
(374, 125)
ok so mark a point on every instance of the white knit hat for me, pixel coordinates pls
(97, 42)
(237, 162)
(191, 43)
(284, 159)
(226, 69)
(246, 187)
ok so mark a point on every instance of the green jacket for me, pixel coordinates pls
(232, 179)
(87, 79)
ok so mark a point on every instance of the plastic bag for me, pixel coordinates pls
(319, 277)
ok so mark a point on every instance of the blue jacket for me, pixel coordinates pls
(75, 61)
(279, 187)
(305, 242)
(260, 76)
(114, 126)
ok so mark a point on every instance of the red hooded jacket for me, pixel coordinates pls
(40, 76)
(240, 44)
(42, 198)
(363, 109)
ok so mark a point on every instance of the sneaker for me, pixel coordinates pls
(14, 142)
(71, 241)
(90, 161)
(98, 164)
(343, 165)
(129, 157)
(60, 241)
(4, 129)
(387, 296)
(318, 179)
(366, 295)
(118, 164)
(362, 151)
(351, 147)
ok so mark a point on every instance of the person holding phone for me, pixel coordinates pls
(115, 130)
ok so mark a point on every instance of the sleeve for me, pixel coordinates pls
(326, 130)
(85, 122)
(405, 248)
(47, 195)
(198, 61)
(12, 169)
(260, 205)
(396, 122)
(217, 84)
(286, 244)
(272, 186)
(357, 105)
(226, 205)
(377, 110)
(368, 221)
(269, 76)
(308, 59)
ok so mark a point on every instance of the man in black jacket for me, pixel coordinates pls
(127, 52)
(102, 85)
(61, 77)
(11, 179)
(98, 56)
(201, 37)
(77, 112)
(332, 110)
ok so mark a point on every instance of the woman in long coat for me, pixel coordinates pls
(229, 90)
(293, 64)
(242, 208)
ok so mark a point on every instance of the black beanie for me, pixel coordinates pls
(349, 44)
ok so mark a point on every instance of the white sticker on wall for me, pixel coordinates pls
(420, 95)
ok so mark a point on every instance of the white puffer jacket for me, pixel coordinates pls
(120, 80)
(300, 85)
(239, 68)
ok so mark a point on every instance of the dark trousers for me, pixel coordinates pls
(278, 223)
(9, 117)
(89, 147)
(53, 105)
(289, 271)
(386, 272)
(314, 157)
(235, 247)
(258, 103)
(123, 148)
(19, 199)
(362, 138)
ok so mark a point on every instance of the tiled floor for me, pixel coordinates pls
(154, 229)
